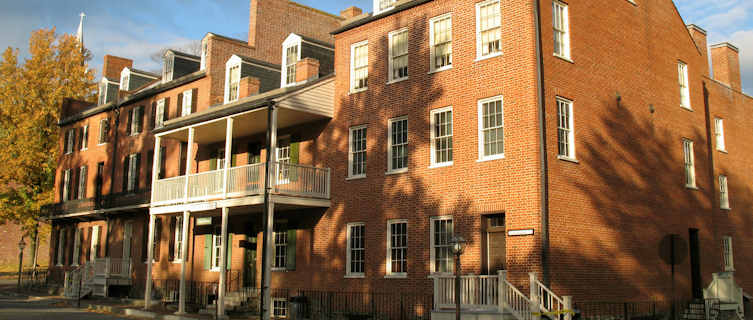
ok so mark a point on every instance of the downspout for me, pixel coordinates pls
(112, 176)
(544, 173)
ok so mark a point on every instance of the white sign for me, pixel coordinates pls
(206, 221)
(517, 233)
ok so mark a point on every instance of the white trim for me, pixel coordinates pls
(432, 67)
(565, 31)
(388, 265)
(348, 257)
(353, 48)
(390, 36)
(571, 155)
(378, 10)
(213, 256)
(125, 79)
(351, 175)
(434, 163)
(291, 41)
(479, 42)
(234, 61)
(723, 193)
(432, 254)
(391, 170)
(721, 144)
(76, 247)
(187, 97)
(85, 138)
(481, 140)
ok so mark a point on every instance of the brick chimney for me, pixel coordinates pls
(725, 59)
(699, 37)
(248, 86)
(306, 69)
(351, 12)
(113, 66)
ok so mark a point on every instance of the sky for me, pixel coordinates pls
(138, 28)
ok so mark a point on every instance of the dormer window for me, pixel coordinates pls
(102, 93)
(125, 77)
(167, 71)
(291, 54)
(232, 79)
(108, 91)
(383, 5)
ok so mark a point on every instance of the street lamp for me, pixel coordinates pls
(458, 246)
(21, 246)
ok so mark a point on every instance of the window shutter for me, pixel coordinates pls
(74, 184)
(207, 251)
(213, 161)
(229, 251)
(162, 162)
(125, 173)
(157, 238)
(139, 119)
(153, 118)
(80, 132)
(291, 250)
(180, 105)
(149, 169)
(129, 122)
(137, 174)
(171, 248)
(166, 115)
(194, 99)
(85, 175)
(295, 148)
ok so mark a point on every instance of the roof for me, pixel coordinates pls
(257, 61)
(400, 6)
(183, 54)
(227, 38)
(316, 41)
(145, 73)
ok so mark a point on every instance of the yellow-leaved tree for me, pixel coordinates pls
(31, 95)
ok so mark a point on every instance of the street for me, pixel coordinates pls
(14, 307)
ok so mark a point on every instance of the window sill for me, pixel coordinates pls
(355, 91)
(687, 108)
(397, 276)
(394, 172)
(691, 187)
(491, 158)
(440, 69)
(726, 209)
(355, 178)
(177, 262)
(568, 159)
(279, 270)
(564, 58)
(722, 151)
(397, 80)
(441, 165)
(84, 149)
(488, 56)
(355, 276)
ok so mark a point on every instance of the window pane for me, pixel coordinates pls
(358, 151)
(443, 230)
(442, 42)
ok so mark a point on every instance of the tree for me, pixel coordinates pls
(192, 47)
(30, 98)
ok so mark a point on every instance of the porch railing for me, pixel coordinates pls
(112, 267)
(290, 179)
(476, 292)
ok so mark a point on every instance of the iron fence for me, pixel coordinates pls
(619, 310)
(360, 305)
(34, 278)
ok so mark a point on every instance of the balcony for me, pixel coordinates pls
(95, 207)
(244, 181)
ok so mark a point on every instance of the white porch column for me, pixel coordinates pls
(189, 155)
(501, 290)
(228, 155)
(156, 162)
(269, 217)
(149, 258)
(535, 310)
(223, 265)
(183, 263)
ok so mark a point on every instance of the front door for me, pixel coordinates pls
(495, 243)
(695, 264)
(249, 265)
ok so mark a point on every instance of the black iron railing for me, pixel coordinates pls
(34, 278)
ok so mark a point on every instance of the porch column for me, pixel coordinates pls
(228, 155)
(156, 162)
(223, 265)
(149, 258)
(189, 155)
(269, 210)
(184, 262)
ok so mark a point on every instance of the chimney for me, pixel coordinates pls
(725, 59)
(306, 69)
(113, 66)
(699, 37)
(248, 86)
(351, 12)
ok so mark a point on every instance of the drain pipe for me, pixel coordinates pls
(542, 149)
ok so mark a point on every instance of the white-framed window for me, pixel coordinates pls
(283, 158)
(61, 247)
(133, 164)
(719, 132)
(729, 263)
(125, 79)
(232, 79)
(440, 37)
(159, 114)
(94, 253)
(398, 55)
(723, 192)
(441, 137)
(383, 5)
(359, 66)
(561, 24)
(76, 247)
(488, 29)
(85, 138)
(279, 308)
(442, 229)
(565, 130)
(682, 75)
(221, 158)
(137, 118)
(355, 260)
(66, 185)
(689, 157)
(397, 149)
(178, 239)
(281, 250)
(70, 141)
(167, 71)
(216, 249)
(397, 248)
(357, 152)
(82, 177)
(104, 131)
(491, 128)
(187, 103)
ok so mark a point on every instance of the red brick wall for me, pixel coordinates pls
(726, 62)
(113, 66)
(12, 234)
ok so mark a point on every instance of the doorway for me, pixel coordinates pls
(249, 264)
(695, 264)
(495, 246)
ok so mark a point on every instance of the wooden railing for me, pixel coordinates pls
(290, 179)
(514, 301)
(548, 302)
(476, 292)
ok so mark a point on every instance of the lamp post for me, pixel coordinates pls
(458, 246)
(21, 246)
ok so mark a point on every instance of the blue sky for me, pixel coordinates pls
(138, 28)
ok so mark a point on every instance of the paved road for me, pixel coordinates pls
(21, 308)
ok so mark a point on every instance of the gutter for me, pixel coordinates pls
(544, 173)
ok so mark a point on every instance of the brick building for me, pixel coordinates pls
(557, 141)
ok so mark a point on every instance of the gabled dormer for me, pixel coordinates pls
(178, 64)
(108, 91)
(245, 76)
(132, 79)
(296, 48)
(383, 6)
